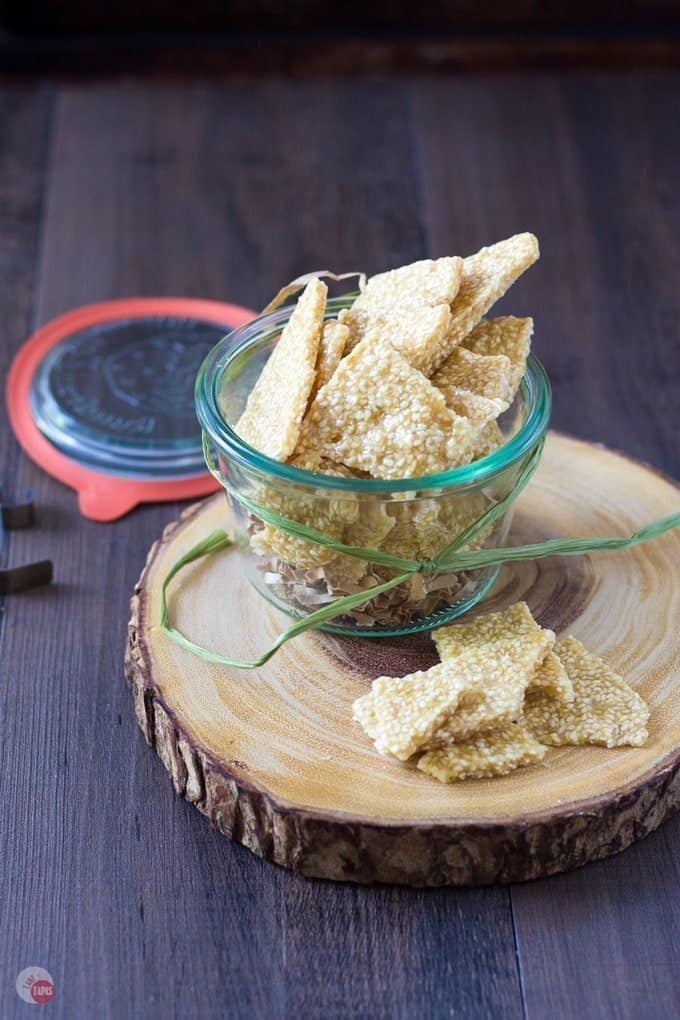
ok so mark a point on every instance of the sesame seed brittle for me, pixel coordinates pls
(430, 282)
(424, 528)
(486, 375)
(402, 713)
(488, 440)
(512, 645)
(487, 275)
(379, 414)
(604, 709)
(415, 331)
(479, 685)
(278, 401)
(506, 337)
(493, 753)
(336, 388)
(551, 678)
(352, 396)
(331, 349)
(510, 628)
(504, 692)
(409, 308)
(475, 386)
(330, 515)
(472, 406)
(372, 525)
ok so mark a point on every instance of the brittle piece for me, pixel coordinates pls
(551, 677)
(514, 625)
(457, 513)
(487, 275)
(331, 349)
(401, 713)
(430, 282)
(421, 529)
(512, 644)
(278, 401)
(324, 510)
(271, 541)
(604, 710)
(408, 308)
(343, 573)
(371, 526)
(424, 528)
(416, 533)
(368, 531)
(311, 460)
(413, 329)
(489, 439)
(494, 753)
(381, 415)
(487, 376)
(507, 337)
(471, 405)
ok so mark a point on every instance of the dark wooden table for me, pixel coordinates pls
(224, 190)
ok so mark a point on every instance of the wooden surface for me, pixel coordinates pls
(132, 903)
(275, 760)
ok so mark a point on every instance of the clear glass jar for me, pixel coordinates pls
(413, 518)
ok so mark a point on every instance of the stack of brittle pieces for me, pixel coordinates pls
(504, 691)
(407, 382)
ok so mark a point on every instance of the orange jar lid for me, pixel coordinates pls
(102, 399)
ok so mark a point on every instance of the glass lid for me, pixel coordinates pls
(117, 396)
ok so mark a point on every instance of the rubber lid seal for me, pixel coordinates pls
(102, 399)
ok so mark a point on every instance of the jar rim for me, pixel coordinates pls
(535, 386)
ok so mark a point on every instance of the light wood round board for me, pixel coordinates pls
(274, 759)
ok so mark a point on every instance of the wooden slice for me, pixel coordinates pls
(273, 757)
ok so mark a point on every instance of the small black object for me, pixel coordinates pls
(31, 575)
(15, 516)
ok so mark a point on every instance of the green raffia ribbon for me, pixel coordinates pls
(448, 560)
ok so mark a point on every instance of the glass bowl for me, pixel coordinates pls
(413, 518)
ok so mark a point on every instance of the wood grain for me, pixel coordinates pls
(24, 126)
(588, 166)
(24, 123)
(610, 339)
(222, 190)
(218, 191)
(275, 760)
